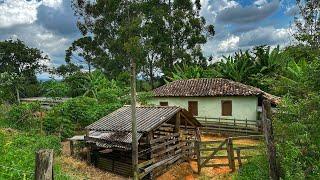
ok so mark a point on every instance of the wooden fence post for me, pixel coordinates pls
(197, 149)
(268, 134)
(71, 147)
(44, 165)
(239, 157)
(205, 119)
(230, 152)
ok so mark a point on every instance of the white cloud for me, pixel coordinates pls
(52, 3)
(230, 44)
(265, 36)
(211, 8)
(14, 12)
(260, 2)
(248, 14)
(247, 40)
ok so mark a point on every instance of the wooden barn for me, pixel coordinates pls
(163, 134)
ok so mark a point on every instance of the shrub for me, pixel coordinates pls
(17, 151)
(74, 114)
(255, 168)
(297, 133)
(22, 116)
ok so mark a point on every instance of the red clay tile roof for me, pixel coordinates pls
(209, 87)
(206, 87)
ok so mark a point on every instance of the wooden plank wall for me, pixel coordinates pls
(167, 148)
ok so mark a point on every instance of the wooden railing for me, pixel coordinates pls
(230, 126)
(227, 149)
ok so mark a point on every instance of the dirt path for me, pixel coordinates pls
(188, 171)
(79, 170)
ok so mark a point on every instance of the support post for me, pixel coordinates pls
(89, 154)
(268, 134)
(230, 151)
(178, 121)
(134, 121)
(71, 147)
(197, 149)
(18, 95)
(205, 120)
(219, 125)
(44, 165)
(246, 126)
(239, 157)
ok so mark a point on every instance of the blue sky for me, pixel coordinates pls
(51, 26)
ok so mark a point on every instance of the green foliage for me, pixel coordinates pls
(67, 70)
(156, 34)
(20, 63)
(23, 116)
(54, 89)
(297, 132)
(255, 168)
(17, 154)
(239, 67)
(76, 83)
(307, 23)
(189, 72)
(74, 114)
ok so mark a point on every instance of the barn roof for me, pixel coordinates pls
(209, 87)
(148, 118)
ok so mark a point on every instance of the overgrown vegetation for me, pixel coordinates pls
(165, 39)
(17, 153)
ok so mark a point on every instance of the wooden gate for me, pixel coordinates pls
(206, 151)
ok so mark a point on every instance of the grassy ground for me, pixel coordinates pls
(17, 158)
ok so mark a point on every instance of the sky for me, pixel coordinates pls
(50, 25)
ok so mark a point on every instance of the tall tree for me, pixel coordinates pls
(21, 62)
(169, 31)
(308, 22)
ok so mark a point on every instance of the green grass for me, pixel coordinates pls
(255, 168)
(17, 154)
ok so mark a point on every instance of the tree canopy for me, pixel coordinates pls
(156, 33)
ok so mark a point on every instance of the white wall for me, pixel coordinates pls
(243, 107)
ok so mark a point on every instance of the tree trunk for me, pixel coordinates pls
(134, 121)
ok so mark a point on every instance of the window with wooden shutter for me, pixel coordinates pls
(193, 107)
(163, 103)
(226, 107)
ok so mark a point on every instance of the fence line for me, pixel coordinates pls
(230, 126)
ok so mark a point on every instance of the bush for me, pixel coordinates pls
(255, 168)
(17, 153)
(75, 114)
(54, 88)
(23, 116)
(298, 138)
